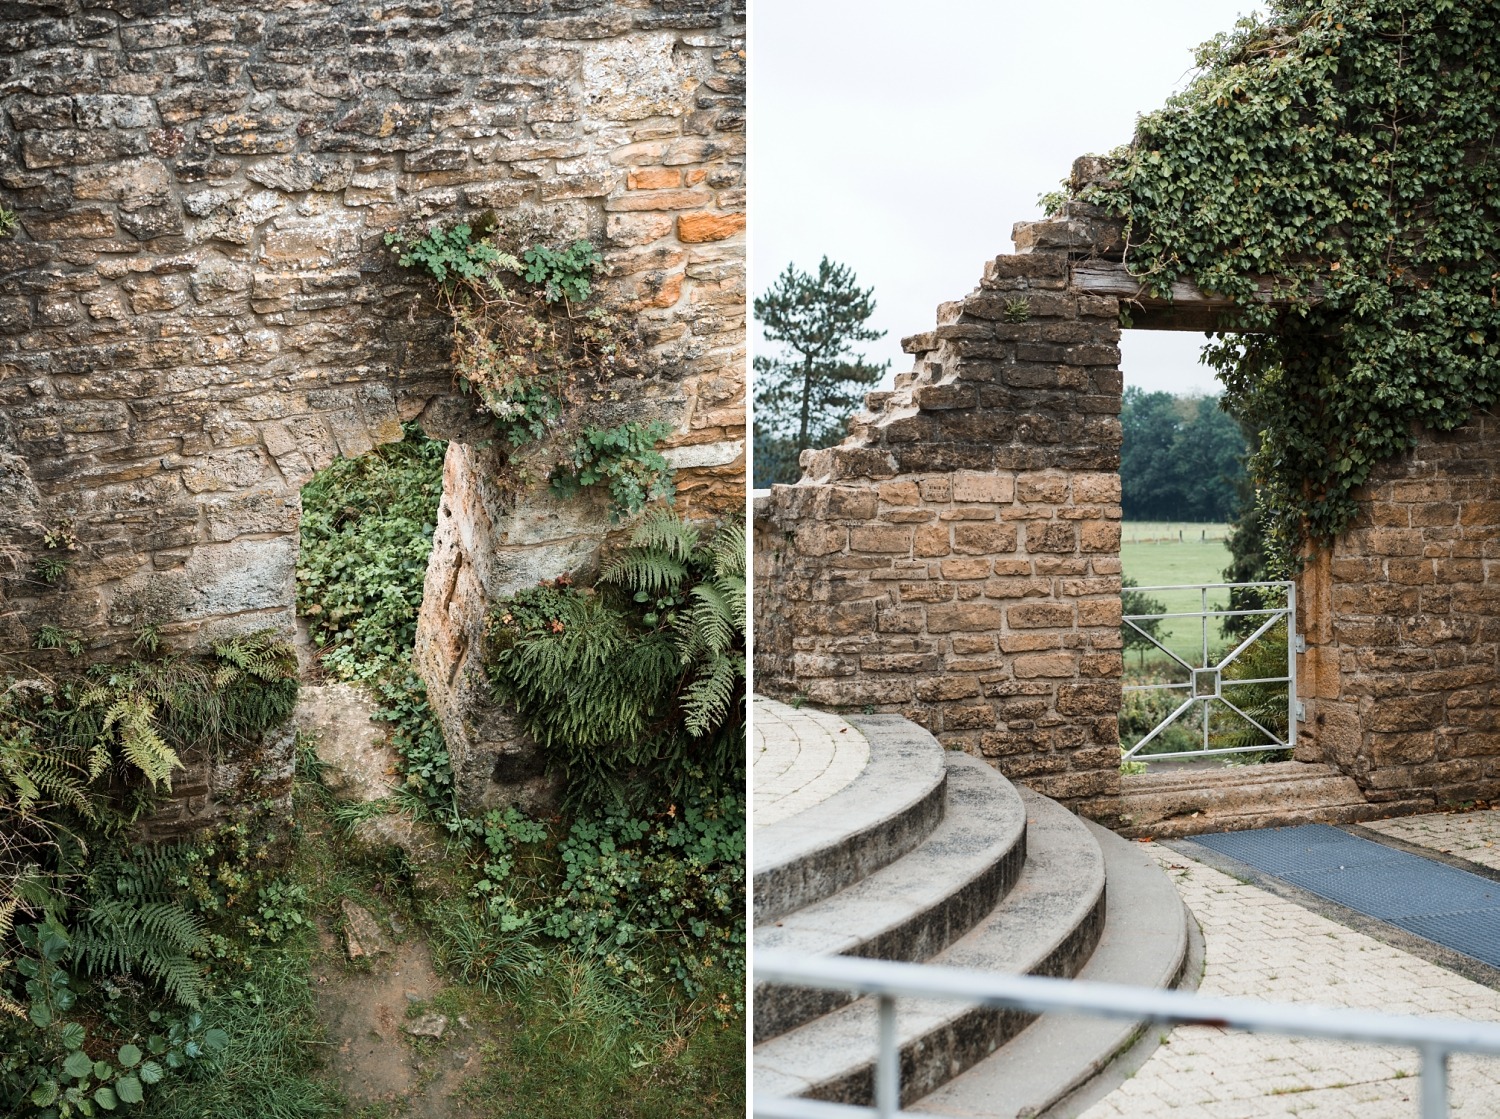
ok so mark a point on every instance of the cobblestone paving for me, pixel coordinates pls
(1262, 946)
(801, 756)
(1468, 835)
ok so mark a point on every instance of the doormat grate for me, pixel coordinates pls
(1427, 898)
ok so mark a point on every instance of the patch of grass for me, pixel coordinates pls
(1168, 562)
(271, 1067)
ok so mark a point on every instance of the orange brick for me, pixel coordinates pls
(653, 178)
(708, 226)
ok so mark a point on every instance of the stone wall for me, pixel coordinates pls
(1402, 619)
(956, 560)
(197, 310)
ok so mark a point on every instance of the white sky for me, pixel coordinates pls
(904, 139)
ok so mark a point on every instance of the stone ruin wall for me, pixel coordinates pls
(956, 560)
(1402, 620)
(197, 311)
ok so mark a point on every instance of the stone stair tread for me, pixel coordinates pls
(1144, 944)
(983, 822)
(911, 908)
(890, 808)
(1047, 923)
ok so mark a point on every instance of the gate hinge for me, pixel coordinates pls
(1301, 712)
(1299, 643)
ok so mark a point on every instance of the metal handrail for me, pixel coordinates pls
(885, 980)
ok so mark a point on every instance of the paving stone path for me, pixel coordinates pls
(801, 757)
(1262, 946)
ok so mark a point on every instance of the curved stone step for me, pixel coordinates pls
(914, 907)
(1144, 944)
(1047, 924)
(891, 807)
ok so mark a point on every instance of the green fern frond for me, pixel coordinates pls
(651, 571)
(707, 700)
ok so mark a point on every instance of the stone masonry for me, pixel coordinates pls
(956, 560)
(197, 309)
(1402, 619)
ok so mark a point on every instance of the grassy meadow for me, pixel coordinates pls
(1158, 554)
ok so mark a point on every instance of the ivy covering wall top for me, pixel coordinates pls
(1347, 150)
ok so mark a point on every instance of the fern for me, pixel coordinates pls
(646, 671)
(133, 924)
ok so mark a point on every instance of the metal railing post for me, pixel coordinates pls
(887, 1063)
(1291, 665)
(1434, 1082)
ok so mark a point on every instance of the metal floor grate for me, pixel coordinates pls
(1437, 902)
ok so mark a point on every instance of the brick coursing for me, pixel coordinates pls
(1402, 619)
(956, 560)
(197, 310)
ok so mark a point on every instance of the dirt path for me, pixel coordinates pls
(367, 1012)
(391, 1052)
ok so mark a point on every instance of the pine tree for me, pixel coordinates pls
(804, 397)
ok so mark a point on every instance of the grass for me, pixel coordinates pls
(1167, 561)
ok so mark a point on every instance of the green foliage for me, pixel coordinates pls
(807, 396)
(452, 256)
(776, 459)
(367, 526)
(522, 340)
(45, 1070)
(625, 460)
(642, 674)
(1181, 458)
(1139, 602)
(658, 897)
(562, 273)
(55, 637)
(1266, 703)
(1340, 157)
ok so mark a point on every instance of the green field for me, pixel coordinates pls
(1178, 554)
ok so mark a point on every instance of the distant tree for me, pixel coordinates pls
(1182, 457)
(805, 395)
(1249, 560)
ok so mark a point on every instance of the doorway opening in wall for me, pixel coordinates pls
(1208, 674)
(366, 535)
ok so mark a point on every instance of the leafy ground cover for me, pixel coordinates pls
(609, 936)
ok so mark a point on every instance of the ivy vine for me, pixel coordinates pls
(1342, 153)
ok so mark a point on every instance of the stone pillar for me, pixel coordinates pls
(1402, 614)
(956, 560)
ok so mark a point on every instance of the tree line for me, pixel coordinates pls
(1182, 459)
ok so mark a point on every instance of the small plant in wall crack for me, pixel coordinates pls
(524, 341)
(625, 460)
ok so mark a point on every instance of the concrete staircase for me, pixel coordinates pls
(933, 856)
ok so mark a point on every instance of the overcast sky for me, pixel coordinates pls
(904, 139)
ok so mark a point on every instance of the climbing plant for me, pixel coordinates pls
(1332, 168)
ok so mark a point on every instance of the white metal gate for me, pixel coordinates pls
(1207, 689)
